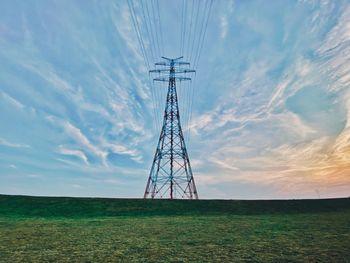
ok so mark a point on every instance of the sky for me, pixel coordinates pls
(267, 115)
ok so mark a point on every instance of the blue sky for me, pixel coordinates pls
(271, 105)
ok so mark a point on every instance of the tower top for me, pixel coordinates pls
(172, 59)
(172, 68)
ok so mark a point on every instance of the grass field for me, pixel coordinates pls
(42, 229)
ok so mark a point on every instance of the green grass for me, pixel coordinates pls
(34, 229)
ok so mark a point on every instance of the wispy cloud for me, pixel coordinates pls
(224, 19)
(260, 140)
(12, 144)
(12, 100)
(224, 26)
(66, 151)
(82, 140)
(271, 108)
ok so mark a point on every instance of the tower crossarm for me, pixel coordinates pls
(179, 71)
(166, 79)
(173, 67)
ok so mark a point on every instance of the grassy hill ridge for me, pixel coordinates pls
(30, 206)
(64, 229)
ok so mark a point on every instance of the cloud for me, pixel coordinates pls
(12, 100)
(224, 19)
(224, 26)
(123, 25)
(34, 176)
(321, 163)
(251, 136)
(336, 52)
(13, 145)
(223, 163)
(118, 148)
(339, 35)
(289, 168)
(93, 86)
(82, 140)
(100, 148)
(66, 151)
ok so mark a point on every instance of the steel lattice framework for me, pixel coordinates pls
(171, 174)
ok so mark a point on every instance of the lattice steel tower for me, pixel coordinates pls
(171, 174)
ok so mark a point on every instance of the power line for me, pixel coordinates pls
(156, 36)
(205, 9)
(195, 17)
(189, 35)
(184, 28)
(138, 34)
(182, 25)
(160, 27)
(205, 30)
(195, 26)
(144, 54)
(197, 58)
(199, 46)
(154, 53)
(191, 45)
(152, 48)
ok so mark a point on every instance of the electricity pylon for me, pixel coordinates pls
(171, 174)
